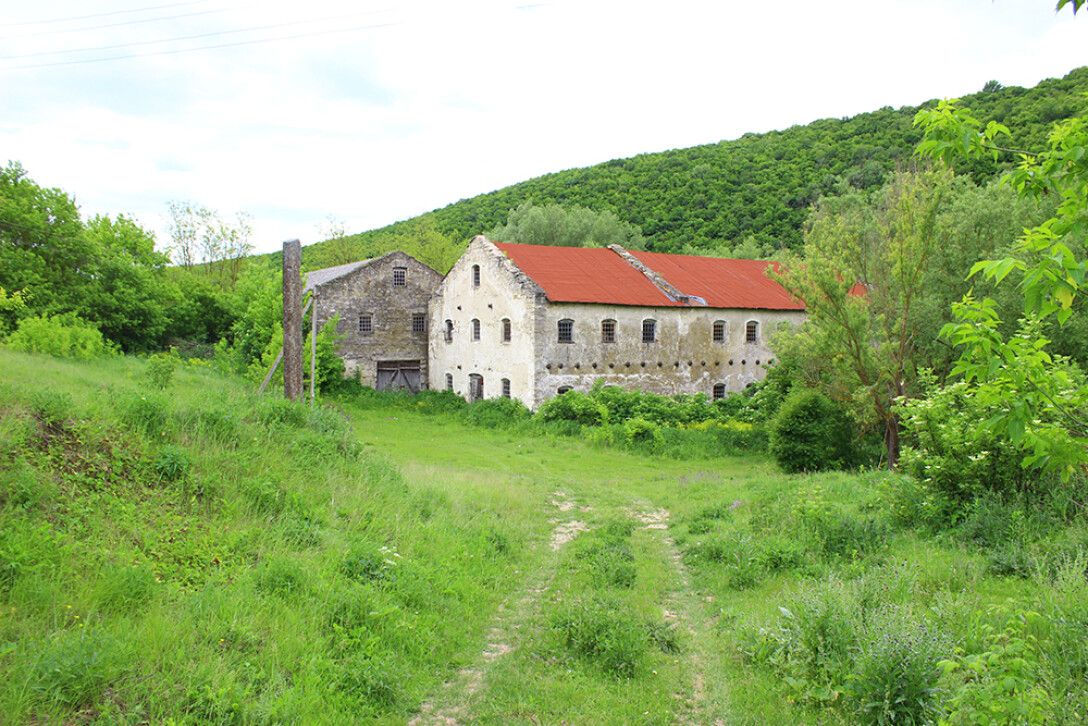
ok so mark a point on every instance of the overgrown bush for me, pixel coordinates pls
(576, 407)
(172, 463)
(63, 336)
(495, 413)
(812, 433)
(955, 457)
(642, 434)
(159, 369)
(895, 678)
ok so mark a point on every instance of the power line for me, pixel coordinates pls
(98, 15)
(156, 19)
(177, 51)
(190, 37)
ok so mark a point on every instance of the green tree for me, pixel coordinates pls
(1041, 399)
(886, 246)
(574, 226)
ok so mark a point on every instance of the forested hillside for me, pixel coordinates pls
(759, 184)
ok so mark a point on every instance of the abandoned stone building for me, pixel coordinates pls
(382, 304)
(531, 322)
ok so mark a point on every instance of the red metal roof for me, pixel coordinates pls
(584, 274)
(722, 283)
(599, 275)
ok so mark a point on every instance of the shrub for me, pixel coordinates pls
(495, 413)
(159, 369)
(642, 434)
(429, 401)
(603, 632)
(62, 336)
(172, 464)
(947, 449)
(811, 433)
(575, 407)
(372, 682)
(896, 674)
(368, 563)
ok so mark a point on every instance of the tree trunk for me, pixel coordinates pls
(891, 441)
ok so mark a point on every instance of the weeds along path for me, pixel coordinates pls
(684, 610)
(451, 704)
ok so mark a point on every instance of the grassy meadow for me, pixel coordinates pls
(203, 555)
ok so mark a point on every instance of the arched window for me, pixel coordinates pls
(475, 329)
(608, 331)
(475, 275)
(449, 331)
(751, 332)
(719, 391)
(566, 331)
(506, 388)
(475, 387)
(506, 330)
(449, 381)
(563, 389)
(649, 330)
(719, 331)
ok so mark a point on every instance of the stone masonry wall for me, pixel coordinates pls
(370, 289)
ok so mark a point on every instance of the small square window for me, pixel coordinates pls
(419, 323)
(366, 324)
(400, 275)
(719, 391)
(608, 331)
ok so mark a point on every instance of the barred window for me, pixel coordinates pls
(608, 331)
(506, 388)
(649, 331)
(566, 331)
(475, 275)
(449, 381)
(506, 330)
(475, 329)
(400, 275)
(366, 324)
(719, 331)
(419, 323)
(751, 332)
(719, 391)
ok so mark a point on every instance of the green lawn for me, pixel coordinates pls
(202, 555)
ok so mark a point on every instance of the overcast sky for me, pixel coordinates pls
(374, 111)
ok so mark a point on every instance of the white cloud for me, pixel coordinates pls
(447, 100)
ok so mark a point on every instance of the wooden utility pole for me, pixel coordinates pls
(313, 345)
(292, 320)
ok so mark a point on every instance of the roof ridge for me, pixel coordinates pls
(656, 278)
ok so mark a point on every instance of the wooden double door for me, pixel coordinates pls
(399, 375)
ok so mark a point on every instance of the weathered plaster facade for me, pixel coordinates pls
(504, 292)
(390, 299)
(684, 357)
